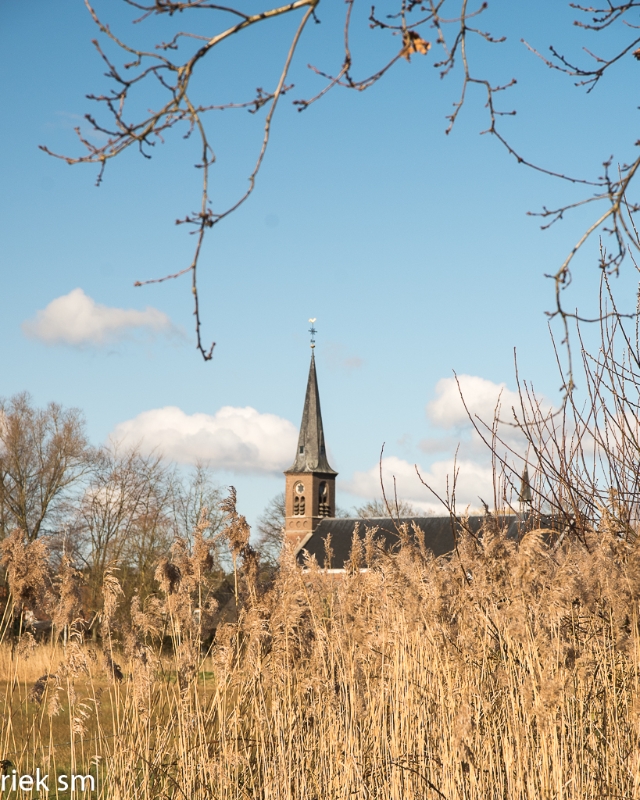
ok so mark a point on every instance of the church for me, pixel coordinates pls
(310, 500)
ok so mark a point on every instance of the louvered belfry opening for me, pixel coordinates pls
(324, 507)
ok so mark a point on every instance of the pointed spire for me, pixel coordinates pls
(311, 455)
(525, 486)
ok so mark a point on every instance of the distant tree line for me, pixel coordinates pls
(99, 508)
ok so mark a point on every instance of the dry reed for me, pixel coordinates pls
(507, 671)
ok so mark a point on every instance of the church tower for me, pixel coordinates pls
(310, 492)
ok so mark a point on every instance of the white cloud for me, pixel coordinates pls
(439, 444)
(474, 480)
(484, 399)
(235, 439)
(481, 397)
(367, 484)
(76, 319)
(473, 464)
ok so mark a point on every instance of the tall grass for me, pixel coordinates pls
(506, 671)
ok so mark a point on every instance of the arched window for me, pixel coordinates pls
(323, 499)
(298, 500)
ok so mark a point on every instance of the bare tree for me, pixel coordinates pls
(271, 530)
(134, 506)
(420, 27)
(193, 495)
(43, 453)
(378, 508)
(127, 494)
(151, 532)
(195, 505)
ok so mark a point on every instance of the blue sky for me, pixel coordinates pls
(412, 249)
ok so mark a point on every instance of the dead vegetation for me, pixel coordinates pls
(508, 670)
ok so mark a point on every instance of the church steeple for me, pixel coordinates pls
(311, 455)
(310, 482)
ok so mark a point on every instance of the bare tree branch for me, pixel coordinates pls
(453, 28)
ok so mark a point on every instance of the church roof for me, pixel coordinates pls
(438, 535)
(311, 455)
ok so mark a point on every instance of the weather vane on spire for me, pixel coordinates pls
(313, 331)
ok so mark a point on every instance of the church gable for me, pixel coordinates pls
(438, 536)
